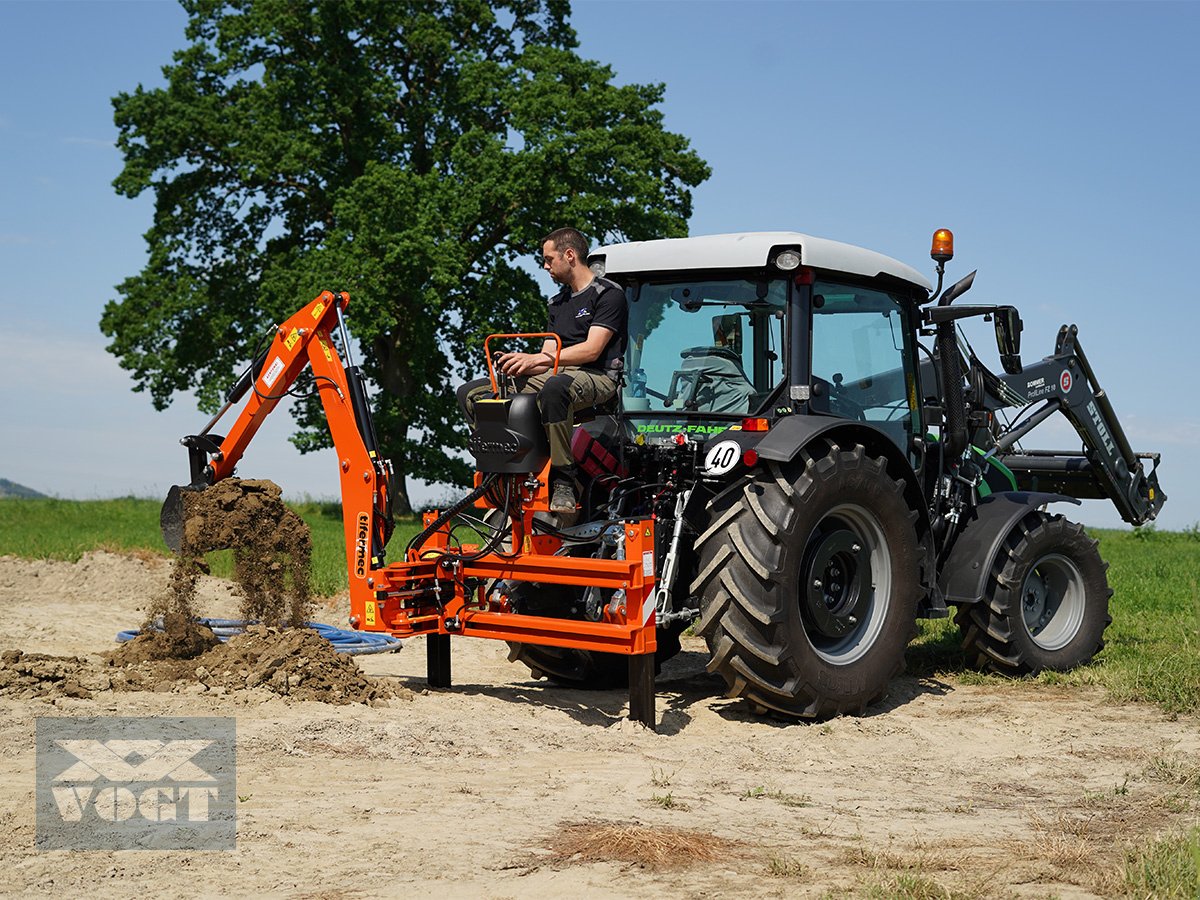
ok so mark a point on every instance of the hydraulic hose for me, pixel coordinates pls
(419, 541)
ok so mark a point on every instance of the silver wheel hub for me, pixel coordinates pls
(1053, 602)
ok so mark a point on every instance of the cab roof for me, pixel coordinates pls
(749, 250)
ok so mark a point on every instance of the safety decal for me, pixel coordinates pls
(722, 457)
(1064, 381)
(325, 346)
(291, 339)
(370, 612)
(647, 563)
(272, 373)
(318, 309)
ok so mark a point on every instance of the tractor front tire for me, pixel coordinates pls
(808, 583)
(1046, 603)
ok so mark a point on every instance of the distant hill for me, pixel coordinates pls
(12, 489)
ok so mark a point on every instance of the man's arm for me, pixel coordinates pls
(576, 355)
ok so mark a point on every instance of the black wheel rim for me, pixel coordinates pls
(846, 585)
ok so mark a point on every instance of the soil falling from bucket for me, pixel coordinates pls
(272, 552)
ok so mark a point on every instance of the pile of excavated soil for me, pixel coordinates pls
(26, 676)
(272, 550)
(296, 663)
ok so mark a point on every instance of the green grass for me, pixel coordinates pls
(1165, 867)
(66, 529)
(1152, 650)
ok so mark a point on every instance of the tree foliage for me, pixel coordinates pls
(410, 153)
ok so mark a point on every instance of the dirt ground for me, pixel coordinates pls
(505, 787)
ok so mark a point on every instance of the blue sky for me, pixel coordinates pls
(1057, 140)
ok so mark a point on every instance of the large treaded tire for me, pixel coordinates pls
(1046, 603)
(772, 547)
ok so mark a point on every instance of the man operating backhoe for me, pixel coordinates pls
(591, 319)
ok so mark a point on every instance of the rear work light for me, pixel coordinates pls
(755, 424)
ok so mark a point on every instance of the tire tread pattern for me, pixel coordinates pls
(747, 612)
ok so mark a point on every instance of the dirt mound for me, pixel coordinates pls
(25, 676)
(180, 638)
(272, 550)
(296, 663)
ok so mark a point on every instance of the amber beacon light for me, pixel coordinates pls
(943, 245)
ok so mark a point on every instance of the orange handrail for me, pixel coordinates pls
(535, 334)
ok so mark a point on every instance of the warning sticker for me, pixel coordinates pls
(272, 373)
(648, 563)
(324, 346)
(370, 612)
(291, 339)
(318, 309)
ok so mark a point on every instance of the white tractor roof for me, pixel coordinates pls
(749, 250)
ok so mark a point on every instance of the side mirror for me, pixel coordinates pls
(1008, 338)
(727, 333)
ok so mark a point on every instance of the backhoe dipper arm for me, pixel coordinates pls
(1066, 383)
(304, 340)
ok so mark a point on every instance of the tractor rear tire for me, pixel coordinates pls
(808, 583)
(1046, 603)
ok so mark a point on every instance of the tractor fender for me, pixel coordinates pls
(790, 434)
(963, 578)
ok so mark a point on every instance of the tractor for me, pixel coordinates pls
(806, 456)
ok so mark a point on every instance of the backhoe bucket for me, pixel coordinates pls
(173, 516)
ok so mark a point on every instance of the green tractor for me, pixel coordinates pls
(826, 461)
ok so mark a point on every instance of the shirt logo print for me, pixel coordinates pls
(583, 313)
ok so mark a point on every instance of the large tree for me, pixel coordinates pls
(408, 152)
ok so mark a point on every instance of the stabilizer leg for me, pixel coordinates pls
(641, 689)
(437, 650)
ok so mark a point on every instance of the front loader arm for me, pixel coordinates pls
(305, 340)
(1066, 383)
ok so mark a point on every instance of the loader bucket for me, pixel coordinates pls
(173, 515)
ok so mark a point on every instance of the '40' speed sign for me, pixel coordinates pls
(722, 457)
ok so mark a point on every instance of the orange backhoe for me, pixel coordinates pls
(438, 590)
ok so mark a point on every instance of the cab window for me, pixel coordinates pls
(862, 359)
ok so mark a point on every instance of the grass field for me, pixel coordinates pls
(1153, 644)
(66, 529)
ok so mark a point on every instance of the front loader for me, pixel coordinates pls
(799, 475)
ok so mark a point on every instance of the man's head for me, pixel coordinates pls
(564, 256)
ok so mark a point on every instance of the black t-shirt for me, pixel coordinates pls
(600, 303)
